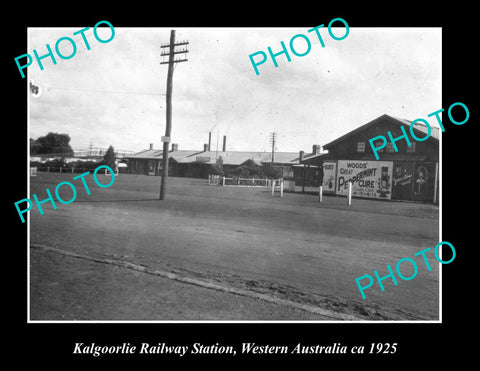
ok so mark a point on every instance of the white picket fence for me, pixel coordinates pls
(275, 184)
(73, 170)
(240, 182)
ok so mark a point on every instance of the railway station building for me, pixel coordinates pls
(199, 163)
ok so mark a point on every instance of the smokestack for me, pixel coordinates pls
(224, 143)
(209, 140)
(316, 149)
(174, 147)
(300, 157)
(151, 146)
(205, 147)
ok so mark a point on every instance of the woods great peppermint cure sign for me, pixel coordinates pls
(369, 178)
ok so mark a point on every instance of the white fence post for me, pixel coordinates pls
(273, 187)
(349, 193)
(223, 181)
(320, 193)
(281, 188)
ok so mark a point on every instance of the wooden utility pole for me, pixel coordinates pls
(168, 129)
(273, 136)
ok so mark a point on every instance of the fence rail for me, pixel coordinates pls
(69, 170)
(240, 182)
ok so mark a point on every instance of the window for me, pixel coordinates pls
(377, 144)
(411, 149)
(360, 146)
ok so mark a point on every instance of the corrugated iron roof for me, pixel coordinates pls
(158, 154)
(435, 133)
(228, 157)
(421, 127)
(147, 154)
(239, 157)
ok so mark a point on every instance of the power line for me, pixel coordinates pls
(104, 91)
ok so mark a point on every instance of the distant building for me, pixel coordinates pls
(149, 161)
(307, 171)
(198, 164)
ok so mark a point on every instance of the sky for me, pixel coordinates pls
(114, 93)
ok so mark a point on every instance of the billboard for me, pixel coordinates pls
(402, 180)
(372, 179)
(203, 159)
(329, 173)
(424, 181)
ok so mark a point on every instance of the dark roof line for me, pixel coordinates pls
(420, 129)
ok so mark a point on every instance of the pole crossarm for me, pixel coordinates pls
(175, 44)
(175, 52)
(175, 61)
(168, 50)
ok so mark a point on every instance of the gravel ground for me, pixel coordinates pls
(291, 248)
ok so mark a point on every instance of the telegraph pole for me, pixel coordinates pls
(168, 129)
(273, 137)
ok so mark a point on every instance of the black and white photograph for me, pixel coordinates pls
(295, 184)
(274, 206)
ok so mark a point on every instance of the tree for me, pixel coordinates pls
(270, 171)
(52, 143)
(109, 158)
(249, 169)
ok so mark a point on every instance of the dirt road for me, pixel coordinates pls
(291, 248)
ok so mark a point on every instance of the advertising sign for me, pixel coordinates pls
(402, 180)
(424, 181)
(329, 172)
(371, 179)
(202, 159)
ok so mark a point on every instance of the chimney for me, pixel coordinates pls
(151, 146)
(224, 143)
(316, 149)
(174, 147)
(205, 147)
(300, 157)
(209, 140)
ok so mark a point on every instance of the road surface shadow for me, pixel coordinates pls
(121, 200)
